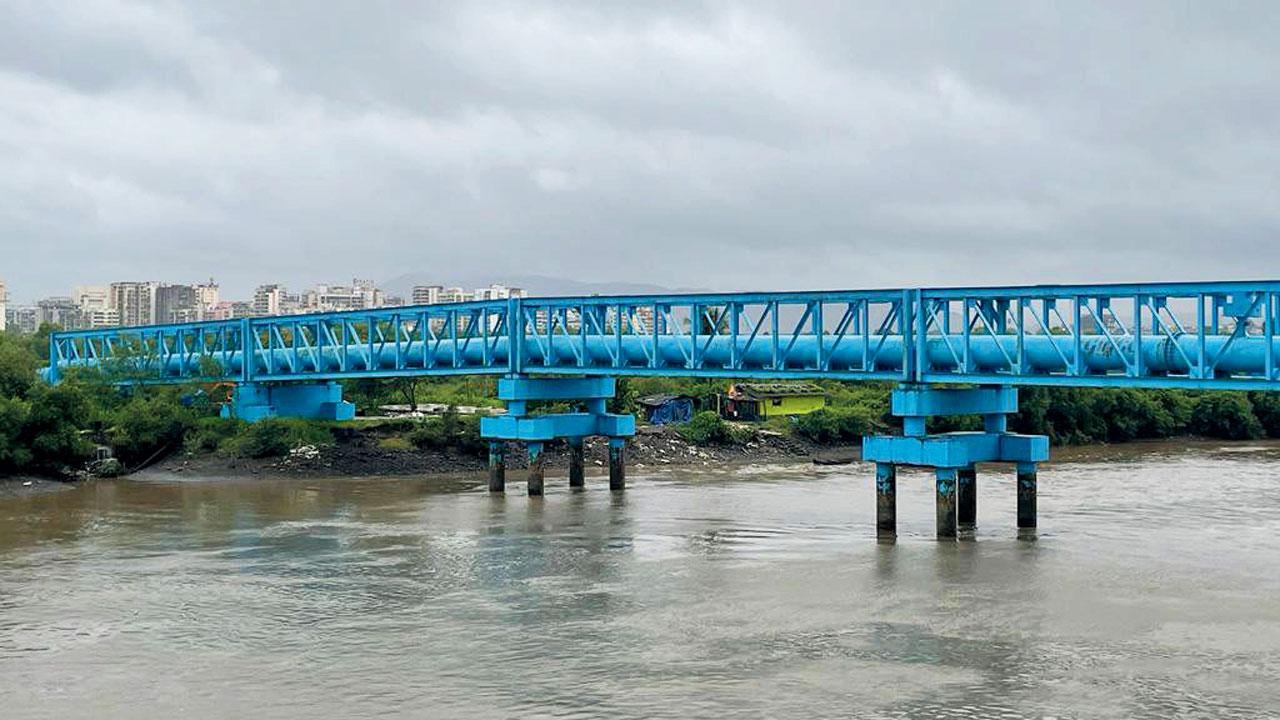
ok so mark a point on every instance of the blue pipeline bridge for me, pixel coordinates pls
(951, 351)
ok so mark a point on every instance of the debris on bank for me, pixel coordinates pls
(367, 452)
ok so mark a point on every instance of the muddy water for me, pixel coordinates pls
(1152, 591)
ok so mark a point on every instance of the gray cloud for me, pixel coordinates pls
(727, 146)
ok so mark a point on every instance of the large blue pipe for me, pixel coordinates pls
(1044, 355)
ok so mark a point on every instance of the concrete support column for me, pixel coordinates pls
(537, 459)
(886, 501)
(946, 522)
(967, 499)
(497, 467)
(577, 473)
(1026, 496)
(617, 463)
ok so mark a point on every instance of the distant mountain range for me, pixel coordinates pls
(535, 285)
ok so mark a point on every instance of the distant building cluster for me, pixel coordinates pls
(152, 303)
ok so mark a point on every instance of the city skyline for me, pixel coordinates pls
(130, 303)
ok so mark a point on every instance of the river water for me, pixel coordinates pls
(1152, 591)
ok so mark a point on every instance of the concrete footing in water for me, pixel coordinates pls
(617, 464)
(497, 467)
(537, 467)
(886, 501)
(1026, 497)
(577, 472)
(946, 503)
(966, 500)
(577, 465)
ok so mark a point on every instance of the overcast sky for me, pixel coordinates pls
(719, 145)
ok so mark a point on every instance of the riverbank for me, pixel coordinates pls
(653, 449)
(22, 485)
(367, 454)
(372, 453)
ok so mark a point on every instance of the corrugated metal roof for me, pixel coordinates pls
(656, 400)
(756, 391)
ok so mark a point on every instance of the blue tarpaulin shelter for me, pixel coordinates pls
(667, 409)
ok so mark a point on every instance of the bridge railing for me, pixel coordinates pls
(384, 342)
(1161, 335)
(1219, 335)
(851, 335)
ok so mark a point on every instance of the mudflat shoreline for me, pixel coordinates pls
(363, 456)
(22, 485)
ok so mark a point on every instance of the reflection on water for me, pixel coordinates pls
(757, 592)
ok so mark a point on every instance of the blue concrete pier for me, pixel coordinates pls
(519, 424)
(954, 456)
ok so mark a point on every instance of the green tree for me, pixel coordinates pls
(18, 366)
(833, 424)
(53, 425)
(14, 453)
(1266, 407)
(1225, 415)
(148, 425)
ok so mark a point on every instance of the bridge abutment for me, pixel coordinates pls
(954, 456)
(519, 425)
(254, 401)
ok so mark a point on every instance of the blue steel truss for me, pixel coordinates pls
(1220, 335)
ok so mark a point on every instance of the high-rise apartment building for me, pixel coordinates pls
(134, 301)
(60, 311)
(91, 297)
(207, 296)
(22, 318)
(498, 292)
(426, 294)
(268, 300)
(4, 304)
(176, 303)
(360, 295)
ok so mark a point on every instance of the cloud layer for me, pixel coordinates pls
(726, 146)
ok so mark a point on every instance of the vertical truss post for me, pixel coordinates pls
(54, 368)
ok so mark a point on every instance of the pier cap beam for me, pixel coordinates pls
(254, 401)
(927, 401)
(527, 388)
(955, 450)
(518, 425)
(542, 428)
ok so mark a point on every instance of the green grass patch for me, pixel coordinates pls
(395, 444)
